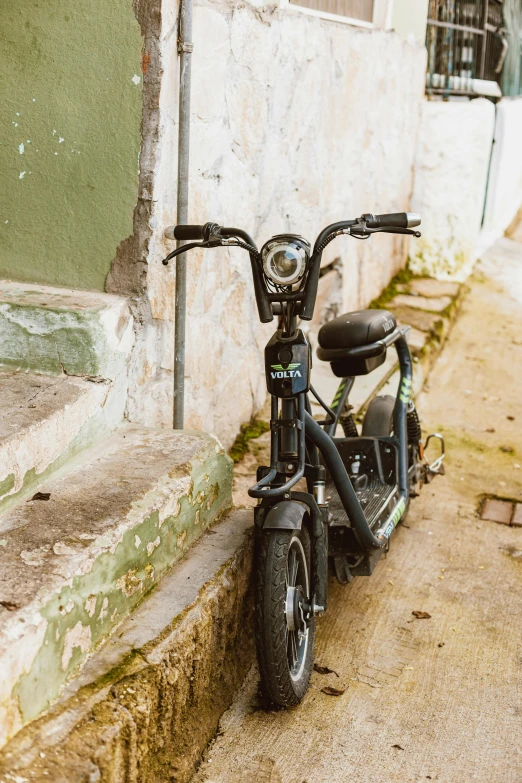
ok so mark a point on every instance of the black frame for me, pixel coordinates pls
(315, 439)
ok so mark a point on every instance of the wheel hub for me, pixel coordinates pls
(295, 609)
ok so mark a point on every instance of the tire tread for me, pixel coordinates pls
(270, 624)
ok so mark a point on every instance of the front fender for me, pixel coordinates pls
(285, 515)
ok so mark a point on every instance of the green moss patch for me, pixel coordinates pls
(249, 431)
(402, 278)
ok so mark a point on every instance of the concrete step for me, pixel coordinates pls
(46, 420)
(149, 700)
(77, 564)
(56, 330)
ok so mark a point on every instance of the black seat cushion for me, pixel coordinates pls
(361, 327)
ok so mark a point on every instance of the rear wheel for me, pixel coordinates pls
(285, 633)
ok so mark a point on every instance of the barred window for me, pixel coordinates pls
(467, 42)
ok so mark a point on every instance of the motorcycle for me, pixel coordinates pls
(354, 489)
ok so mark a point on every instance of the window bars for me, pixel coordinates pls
(466, 42)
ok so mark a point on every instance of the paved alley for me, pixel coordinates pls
(435, 698)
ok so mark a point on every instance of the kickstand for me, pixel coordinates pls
(342, 570)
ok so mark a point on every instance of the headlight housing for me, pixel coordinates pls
(285, 258)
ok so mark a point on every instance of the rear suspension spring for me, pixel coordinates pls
(413, 425)
(348, 424)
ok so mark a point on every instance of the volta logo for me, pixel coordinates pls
(290, 372)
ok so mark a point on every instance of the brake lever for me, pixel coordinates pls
(215, 241)
(398, 230)
(361, 231)
(191, 246)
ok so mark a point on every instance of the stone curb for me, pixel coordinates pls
(149, 701)
(78, 561)
(55, 330)
(46, 421)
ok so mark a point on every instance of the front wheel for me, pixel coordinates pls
(285, 633)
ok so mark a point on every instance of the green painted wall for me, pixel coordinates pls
(70, 113)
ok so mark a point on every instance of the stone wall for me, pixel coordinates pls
(296, 122)
(451, 170)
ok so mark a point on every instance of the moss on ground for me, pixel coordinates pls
(403, 277)
(249, 431)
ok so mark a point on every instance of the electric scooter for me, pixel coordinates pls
(324, 501)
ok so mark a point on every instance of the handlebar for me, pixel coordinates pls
(184, 232)
(206, 232)
(396, 219)
(213, 235)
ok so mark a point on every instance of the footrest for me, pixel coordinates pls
(372, 464)
(375, 500)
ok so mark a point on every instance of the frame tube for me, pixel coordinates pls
(343, 484)
(339, 406)
(400, 413)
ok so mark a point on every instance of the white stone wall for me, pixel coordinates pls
(451, 169)
(505, 179)
(296, 123)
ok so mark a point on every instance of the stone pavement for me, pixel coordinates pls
(435, 698)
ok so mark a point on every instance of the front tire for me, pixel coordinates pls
(284, 636)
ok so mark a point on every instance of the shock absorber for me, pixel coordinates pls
(348, 423)
(413, 424)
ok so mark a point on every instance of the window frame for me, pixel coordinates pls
(377, 12)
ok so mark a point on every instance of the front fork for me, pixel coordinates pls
(288, 465)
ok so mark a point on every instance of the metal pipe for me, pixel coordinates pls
(451, 26)
(484, 40)
(185, 49)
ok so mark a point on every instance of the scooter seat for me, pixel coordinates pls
(351, 330)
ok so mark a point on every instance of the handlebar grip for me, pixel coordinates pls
(184, 232)
(394, 219)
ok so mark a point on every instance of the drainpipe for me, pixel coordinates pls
(488, 176)
(185, 49)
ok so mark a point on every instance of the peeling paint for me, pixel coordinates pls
(154, 544)
(79, 636)
(104, 608)
(90, 605)
(61, 548)
(34, 557)
(129, 583)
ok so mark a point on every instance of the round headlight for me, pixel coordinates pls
(284, 262)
